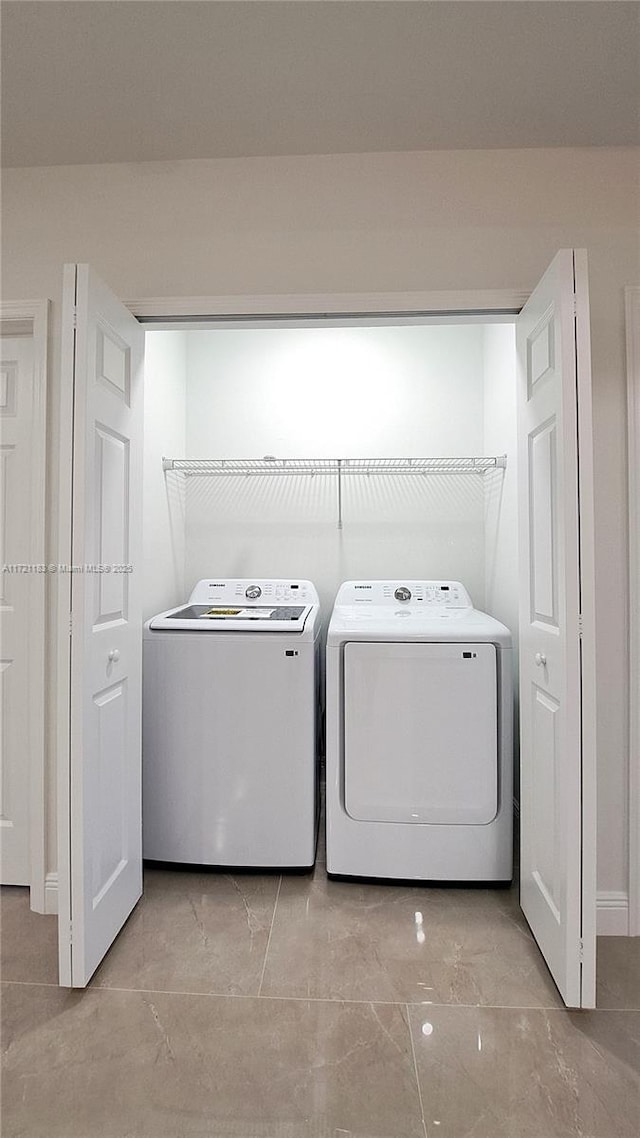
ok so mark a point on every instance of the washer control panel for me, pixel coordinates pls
(418, 594)
(248, 591)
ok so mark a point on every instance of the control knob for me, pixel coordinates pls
(253, 592)
(402, 593)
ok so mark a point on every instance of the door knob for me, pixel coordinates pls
(541, 659)
(113, 656)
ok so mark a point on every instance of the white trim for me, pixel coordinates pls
(51, 893)
(173, 308)
(632, 313)
(613, 914)
(587, 570)
(63, 660)
(36, 313)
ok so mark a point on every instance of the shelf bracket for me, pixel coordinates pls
(339, 480)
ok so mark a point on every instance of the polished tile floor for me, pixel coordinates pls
(296, 1007)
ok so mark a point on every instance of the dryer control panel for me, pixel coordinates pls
(421, 594)
(253, 591)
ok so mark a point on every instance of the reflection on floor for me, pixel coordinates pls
(297, 1007)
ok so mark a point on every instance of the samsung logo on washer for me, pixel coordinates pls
(362, 587)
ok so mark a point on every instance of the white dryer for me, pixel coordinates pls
(419, 735)
(230, 720)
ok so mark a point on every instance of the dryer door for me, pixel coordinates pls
(421, 739)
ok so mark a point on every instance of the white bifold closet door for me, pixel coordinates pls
(100, 781)
(557, 656)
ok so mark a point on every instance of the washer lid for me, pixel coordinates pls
(233, 618)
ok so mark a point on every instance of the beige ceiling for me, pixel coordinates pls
(141, 80)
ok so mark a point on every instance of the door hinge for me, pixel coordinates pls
(580, 625)
(581, 950)
(70, 626)
(70, 932)
(575, 305)
(75, 317)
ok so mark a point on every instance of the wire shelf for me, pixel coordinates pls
(245, 467)
(340, 467)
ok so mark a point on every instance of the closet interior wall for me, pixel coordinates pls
(163, 513)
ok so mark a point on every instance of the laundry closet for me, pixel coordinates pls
(324, 449)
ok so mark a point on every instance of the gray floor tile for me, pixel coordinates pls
(28, 941)
(618, 972)
(123, 1064)
(194, 932)
(484, 952)
(498, 1073)
(347, 940)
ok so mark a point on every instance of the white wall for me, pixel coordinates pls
(165, 418)
(331, 393)
(366, 223)
(501, 492)
(501, 501)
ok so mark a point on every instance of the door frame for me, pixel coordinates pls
(632, 320)
(34, 315)
(155, 312)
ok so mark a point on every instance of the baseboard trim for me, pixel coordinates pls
(612, 914)
(51, 893)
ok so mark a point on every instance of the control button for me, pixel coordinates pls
(402, 593)
(253, 592)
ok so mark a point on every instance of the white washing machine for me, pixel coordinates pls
(419, 735)
(230, 718)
